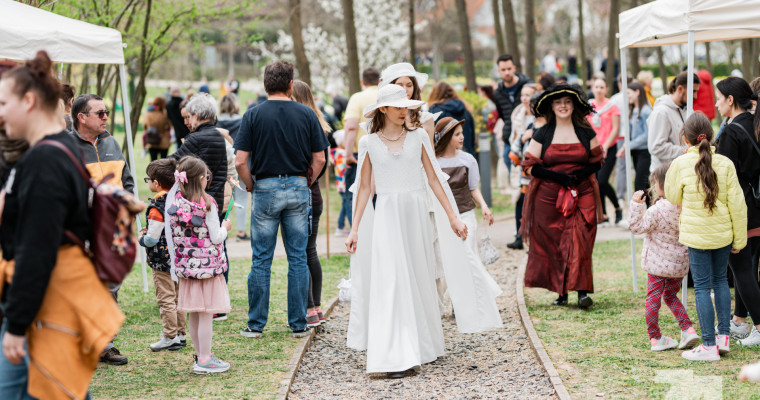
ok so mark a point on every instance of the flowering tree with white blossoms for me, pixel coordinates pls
(381, 34)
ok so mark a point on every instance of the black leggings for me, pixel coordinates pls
(641, 162)
(603, 176)
(519, 211)
(154, 153)
(746, 288)
(312, 259)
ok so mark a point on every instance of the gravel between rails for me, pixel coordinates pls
(498, 364)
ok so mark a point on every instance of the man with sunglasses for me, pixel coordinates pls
(102, 157)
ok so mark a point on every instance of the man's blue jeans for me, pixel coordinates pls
(286, 201)
(708, 269)
(13, 377)
(505, 156)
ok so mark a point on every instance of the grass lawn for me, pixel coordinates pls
(606, 350)
(257, 364)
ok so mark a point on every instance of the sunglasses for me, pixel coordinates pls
(100, 113)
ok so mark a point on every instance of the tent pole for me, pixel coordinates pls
(131, 154)
(689, 111)
(624, 128)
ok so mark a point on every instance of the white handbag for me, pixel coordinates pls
(488, 253)
(344, 290)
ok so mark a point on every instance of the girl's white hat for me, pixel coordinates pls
(396, 71)
(391, 96)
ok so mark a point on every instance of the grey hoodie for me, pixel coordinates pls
(664, 124)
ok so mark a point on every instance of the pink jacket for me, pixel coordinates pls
(662, 255)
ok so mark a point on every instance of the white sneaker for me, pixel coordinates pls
(702, 353)
(688, 340)
(739, 331)
(723, 342)
(664, 343)
(752, 340)
(182, 339)
(623, 223)
(166, 344)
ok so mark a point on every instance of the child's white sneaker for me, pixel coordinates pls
(723, 342)
(702, 353)
(166, 344)
(663, 343)
(752, 340)
(688, 340)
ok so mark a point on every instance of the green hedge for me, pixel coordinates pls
(482, 69)
(718, 69)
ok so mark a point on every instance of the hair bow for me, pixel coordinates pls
(180, 176)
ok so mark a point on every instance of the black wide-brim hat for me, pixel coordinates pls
(544, 104)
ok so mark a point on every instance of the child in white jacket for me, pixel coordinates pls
(665, 260)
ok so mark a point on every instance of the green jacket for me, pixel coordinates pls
(699, 229)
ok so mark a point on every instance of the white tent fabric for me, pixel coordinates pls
(25, 30)
(666, 22)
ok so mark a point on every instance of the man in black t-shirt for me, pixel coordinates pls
(280, 151)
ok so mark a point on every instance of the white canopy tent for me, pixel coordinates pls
(670, 22)
(25, 30)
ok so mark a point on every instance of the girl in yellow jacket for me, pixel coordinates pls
(713, 224)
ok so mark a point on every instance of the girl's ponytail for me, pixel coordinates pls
(698, 131)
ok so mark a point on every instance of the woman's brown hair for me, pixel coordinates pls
(441, 92)
(302, 94)
(377, 123)
(36, 76)
(159, 104)
(698, 131)
(192, 190)
(641, 101)
(414, 115)
(577, 117)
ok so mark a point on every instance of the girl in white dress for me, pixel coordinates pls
(394, 310)
(404, 75)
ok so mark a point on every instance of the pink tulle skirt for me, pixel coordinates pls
(204, 295)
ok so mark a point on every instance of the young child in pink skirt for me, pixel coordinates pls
(665, 260)
(197, 237)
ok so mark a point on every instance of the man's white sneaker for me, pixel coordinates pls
(166, 344)
(752, 340)
(664, 343)
(723, 341)
(702, 353)
(688, 340)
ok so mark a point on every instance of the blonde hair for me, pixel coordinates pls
(645, 77)
(302, 94)
(192, 190)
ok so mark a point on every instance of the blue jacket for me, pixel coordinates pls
(456, 109)
(639, 129)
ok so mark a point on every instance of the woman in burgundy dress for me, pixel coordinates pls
(562, 206)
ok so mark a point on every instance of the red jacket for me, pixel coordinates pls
(705, 101)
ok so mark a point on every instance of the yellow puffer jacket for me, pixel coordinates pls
(698, 228)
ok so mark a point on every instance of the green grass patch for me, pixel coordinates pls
(258, 365)
(606, 349)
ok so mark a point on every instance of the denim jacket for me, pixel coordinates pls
(639, 130)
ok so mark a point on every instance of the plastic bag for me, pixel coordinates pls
(344, 293)
(488, 253)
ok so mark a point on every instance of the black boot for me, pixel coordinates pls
(584, 301)
(517, 244)
(561, 300)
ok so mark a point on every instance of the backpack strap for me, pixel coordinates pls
(754, 143)
(68, 233)
(72, 157)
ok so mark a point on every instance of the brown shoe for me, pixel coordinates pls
(112, 356)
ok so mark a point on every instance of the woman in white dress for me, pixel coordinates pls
(394, 310)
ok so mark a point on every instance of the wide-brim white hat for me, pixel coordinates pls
(391, 96)
(396, 71)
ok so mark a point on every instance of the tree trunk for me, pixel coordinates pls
(464, 34)
(354, 83)
(67, 73)
(498, 32)
(302, 63)
(708, 59)
(530, 40)
(85, 86)
(230, 54)
(511, 28)
(634, 52)
(663, 69)
(139, 95)
(582, 69)
(754, 62)
(612, 44)
(115, 99)
(437, 49)
(412, 36)
(747, 58)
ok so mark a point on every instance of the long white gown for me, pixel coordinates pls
(394, 301)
